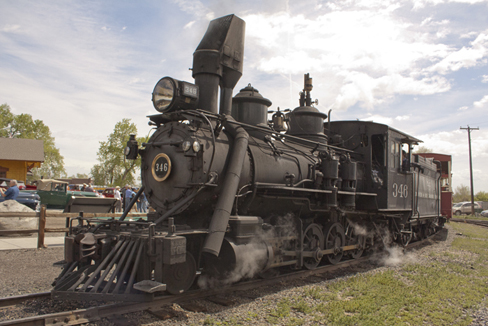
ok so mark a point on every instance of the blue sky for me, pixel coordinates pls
(420, 66)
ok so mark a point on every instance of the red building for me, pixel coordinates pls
(444, 167)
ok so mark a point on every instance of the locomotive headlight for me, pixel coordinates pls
(186, 145)
(196, 146)
(171, 94)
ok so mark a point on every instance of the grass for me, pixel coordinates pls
(439, 293)
(472, 217)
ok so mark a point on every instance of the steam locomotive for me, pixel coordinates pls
(236, 195)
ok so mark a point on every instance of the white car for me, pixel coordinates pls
(465, 208)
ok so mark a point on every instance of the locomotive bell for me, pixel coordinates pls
(250, 107)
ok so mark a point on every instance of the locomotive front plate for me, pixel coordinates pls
(161, 167)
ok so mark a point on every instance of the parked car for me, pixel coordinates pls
(484, 213)
(109, 192)
(465, 208)
(54, 193)
(31, 200)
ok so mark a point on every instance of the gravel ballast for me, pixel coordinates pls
(30, 271)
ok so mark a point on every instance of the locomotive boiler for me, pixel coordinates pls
(236, 195)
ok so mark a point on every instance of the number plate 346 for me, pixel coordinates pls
(161, 167)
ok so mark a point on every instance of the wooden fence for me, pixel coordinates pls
(44, 214)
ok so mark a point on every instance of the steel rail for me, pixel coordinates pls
(13, 300)
(81, 316)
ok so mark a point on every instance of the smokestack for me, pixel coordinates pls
(218, 61)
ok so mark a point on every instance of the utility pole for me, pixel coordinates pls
(470, 165)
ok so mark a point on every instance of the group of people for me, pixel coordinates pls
(126, 195)
(123, 197)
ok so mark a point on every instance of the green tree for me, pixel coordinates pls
(23, 126)
(79, 176)
(481, 196)
(461, 193)
(114, 169)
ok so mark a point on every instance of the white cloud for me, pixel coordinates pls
(423, 3)
(195, 8)
(378, 119)
(369, 54)
(10, 28)
(485, 79)
(189, 25)
(465, 57)
(463, 108)
(482, 103)
(402, 117)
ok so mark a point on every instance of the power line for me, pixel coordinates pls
(470, 165)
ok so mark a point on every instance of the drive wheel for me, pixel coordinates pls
(180, 277)
(313, 240)
(354, 239)
(335, 239)
(457, 213)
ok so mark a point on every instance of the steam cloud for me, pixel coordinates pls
(251, 257)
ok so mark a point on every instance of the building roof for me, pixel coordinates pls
(18, 149)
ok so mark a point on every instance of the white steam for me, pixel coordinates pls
(252, 257)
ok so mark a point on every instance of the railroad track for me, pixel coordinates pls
(475, 222)
(81, 316)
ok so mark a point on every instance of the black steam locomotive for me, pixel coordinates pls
(236, 195)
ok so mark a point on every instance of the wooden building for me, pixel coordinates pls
(18, 156)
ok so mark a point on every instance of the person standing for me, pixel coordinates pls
(89, 188)
(143, 202)
(12, 192)
(118, 204)
(127, 196)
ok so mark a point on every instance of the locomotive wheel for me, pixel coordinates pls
(354, 239)
(313, 240)
(180, 277)
(335, 239)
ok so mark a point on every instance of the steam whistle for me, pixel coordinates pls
(305, 99)
(279, 120)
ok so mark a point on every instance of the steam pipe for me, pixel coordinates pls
(221, 215)
(226, 101)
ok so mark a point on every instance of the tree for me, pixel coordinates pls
(481, 196)
(423, 149)
(114, 169)
(23, 126)
(461, 193)
(79, 176)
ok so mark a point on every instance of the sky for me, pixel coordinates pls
(420, 66)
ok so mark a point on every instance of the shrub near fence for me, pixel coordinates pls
(44, 214)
